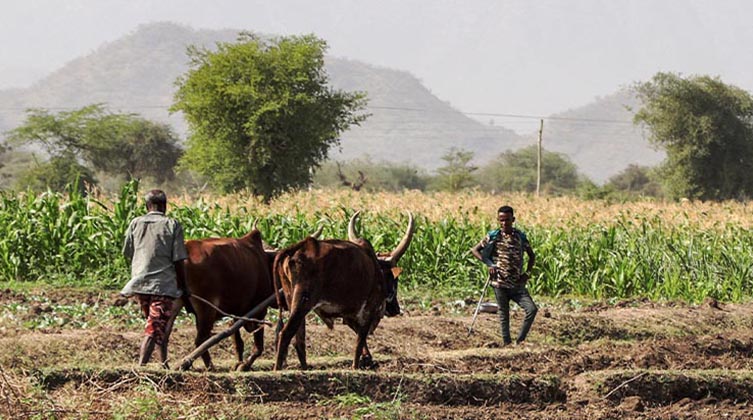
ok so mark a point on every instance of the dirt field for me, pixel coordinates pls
(631, 359)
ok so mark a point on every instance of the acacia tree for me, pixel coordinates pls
(706, 128)
(261, 114)
(457, 173)
(114, 143)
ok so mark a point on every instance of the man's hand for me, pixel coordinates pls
(492, 270)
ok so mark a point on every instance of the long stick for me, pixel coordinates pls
(478, 307)
(186, 363)
(538, 165)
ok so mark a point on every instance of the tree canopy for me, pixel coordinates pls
(705, 127)
(114, 143)
(636, 180)
(57, 174)
(261, 114)
(517, 171)
(457, 173)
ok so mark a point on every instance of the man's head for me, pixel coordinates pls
(506, 217)
(156, 200)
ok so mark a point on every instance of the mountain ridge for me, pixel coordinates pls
(408, 124)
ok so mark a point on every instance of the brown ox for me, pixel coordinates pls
(234, 274)
(336, 279)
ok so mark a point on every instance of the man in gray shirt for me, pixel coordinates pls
(155, 247)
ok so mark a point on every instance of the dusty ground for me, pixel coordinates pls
(632, 359)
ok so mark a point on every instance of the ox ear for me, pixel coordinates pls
(396, 271)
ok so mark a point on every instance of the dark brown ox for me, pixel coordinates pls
(337, 279)
(234, 274)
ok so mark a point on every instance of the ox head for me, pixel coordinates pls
(387, 261)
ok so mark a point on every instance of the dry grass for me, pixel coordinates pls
(479, 207)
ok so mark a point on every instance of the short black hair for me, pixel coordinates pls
(156, 199)
(506, 209)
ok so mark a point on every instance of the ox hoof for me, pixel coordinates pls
(242, 367)
(367, 362)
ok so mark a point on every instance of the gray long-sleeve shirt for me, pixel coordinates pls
(153, 243)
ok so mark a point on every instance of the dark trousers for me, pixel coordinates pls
(520, 296)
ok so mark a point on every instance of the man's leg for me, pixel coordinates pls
(145, 352)
(503, 302)
(147, 344)
(156, 324)
(524, 300)
(176, 306)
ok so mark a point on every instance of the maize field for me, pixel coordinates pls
(660, 251)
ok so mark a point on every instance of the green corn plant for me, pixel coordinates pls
(73, 238)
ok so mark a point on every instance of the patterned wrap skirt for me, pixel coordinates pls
(157, 311)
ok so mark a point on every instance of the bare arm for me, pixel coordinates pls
(476, 251)
(531, 258)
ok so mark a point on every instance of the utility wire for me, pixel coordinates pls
(387, 108)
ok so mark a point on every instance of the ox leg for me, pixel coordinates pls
(363, 332)
(366, 360)
(300, 345)
(238, 341)
(203, 332)
(258, 331)
(295, 323)
(278, 329)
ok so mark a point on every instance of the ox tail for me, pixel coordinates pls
(186, 298)
(181, 269)
(290, 264)
(282, 304)
(277, 267)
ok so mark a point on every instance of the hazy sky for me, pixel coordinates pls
(531, 57)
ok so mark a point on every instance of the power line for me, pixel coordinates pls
(539, 117)
(388, 108)
(522, 116)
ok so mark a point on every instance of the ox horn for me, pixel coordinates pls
(352, 236)
(403, 245)
(255, 227)
(318, 232)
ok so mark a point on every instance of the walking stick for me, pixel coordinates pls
(478, 307)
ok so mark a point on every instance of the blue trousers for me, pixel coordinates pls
(520, 296)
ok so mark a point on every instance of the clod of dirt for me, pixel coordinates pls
(713, 303)
(634, 404)
(121, 301)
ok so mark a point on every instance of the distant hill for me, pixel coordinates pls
(600, 137)
(408, 124)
